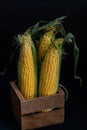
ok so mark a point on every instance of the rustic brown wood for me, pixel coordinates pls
(27, 112)
(42, 119)
(54, 101)
(16, 90)
(15, 104)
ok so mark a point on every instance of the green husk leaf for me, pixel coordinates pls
(70, 39)
(45, 25)
(4, 70)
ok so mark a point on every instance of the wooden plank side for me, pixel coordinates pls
(47, 102)
(42, 119)
(16, 90)
(15, 104)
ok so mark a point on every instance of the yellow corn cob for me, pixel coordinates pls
(45, 41)
(50, 69)
(49, 73)
(26, 67)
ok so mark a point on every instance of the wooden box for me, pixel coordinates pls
(28, 112)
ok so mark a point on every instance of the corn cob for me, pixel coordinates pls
(49, 75)
(45, 41)
(27, 67)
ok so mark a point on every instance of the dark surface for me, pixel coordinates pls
(16, 17)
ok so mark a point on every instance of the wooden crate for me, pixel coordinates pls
(28, 112)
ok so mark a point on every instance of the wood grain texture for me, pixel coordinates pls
(46, 102)
(43, 119)
(15, 103)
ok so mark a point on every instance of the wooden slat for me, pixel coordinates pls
(15, 103)
(42, 119)
(16, 90)
(46, 102)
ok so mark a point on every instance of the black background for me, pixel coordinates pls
(16, 17)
